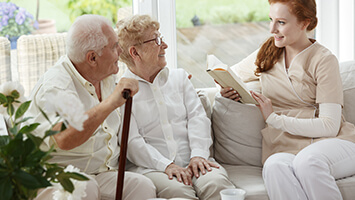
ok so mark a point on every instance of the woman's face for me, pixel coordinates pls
(285, 26)
(152, 54)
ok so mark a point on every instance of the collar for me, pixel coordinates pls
(162, 76)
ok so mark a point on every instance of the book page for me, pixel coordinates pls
(225, 76)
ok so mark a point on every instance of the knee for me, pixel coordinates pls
(273, 167)
(140, 181)
(306, 165)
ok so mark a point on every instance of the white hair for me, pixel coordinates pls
(86, 35)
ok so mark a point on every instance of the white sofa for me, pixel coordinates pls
(236, 130)
(237, 138)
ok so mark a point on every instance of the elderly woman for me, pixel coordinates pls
(170, 133)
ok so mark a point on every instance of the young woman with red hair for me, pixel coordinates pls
(307, 144)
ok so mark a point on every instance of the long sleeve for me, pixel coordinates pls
(198, 125)
(326, 125)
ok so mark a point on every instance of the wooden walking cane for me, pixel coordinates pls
(123, 149)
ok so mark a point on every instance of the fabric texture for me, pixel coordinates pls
(168, 123)
(5, 60)
(100, 152)
(236, 128)
(36, 54)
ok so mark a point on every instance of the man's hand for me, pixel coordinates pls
(124, 83)
(265, 104)
(182, 174)
(200, 164)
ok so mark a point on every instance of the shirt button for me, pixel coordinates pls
(161, 103)
(92, 94)
(105, 127)
(90, 85)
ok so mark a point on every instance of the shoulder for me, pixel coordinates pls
(320, 54)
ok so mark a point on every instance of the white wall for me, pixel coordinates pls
(335, 30)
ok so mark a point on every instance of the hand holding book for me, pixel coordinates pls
(225, 77)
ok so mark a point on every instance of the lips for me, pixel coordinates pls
(278, 38)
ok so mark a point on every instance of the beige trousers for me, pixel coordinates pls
(103, 186)
(206, 186)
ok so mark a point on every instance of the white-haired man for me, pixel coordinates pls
(87, 72)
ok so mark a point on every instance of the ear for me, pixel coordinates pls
(305, 24)
(133, 52)
(91, 57)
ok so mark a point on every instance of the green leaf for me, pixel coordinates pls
(29, 128)
(45, 115)
(10, 110)
(27, 180)
(4, 140)
(50, 133)
(22, 109)
(15, 148)
(3, 98)
(75, 175)
(36, 140)
(66, 183)
(15, 94)
(23, 120)
(5, 188)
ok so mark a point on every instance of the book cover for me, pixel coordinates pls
(227, 78)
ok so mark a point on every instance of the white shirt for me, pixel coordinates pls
(168, 123)
(99, 153)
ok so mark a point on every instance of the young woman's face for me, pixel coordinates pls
(285, 27)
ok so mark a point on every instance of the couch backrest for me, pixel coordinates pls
(35, 54)
(347, 73)
(5, 59)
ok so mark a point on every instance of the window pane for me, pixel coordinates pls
(229, 29)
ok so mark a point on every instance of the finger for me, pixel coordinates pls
(207, 165)
(185, 178)
(213, 164)
(202, 168)
(178, 176)
(170, 175)
(195, 170)
(190, 76)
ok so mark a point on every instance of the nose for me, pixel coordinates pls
(273, 28)
(164, 45)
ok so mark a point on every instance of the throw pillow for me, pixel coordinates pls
(237, 134)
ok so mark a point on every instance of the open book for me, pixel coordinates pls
(227, 78)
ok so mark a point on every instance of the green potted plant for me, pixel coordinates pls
(14, 22)
(106, 8)
(24, 166)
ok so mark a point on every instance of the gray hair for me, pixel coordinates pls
(86, 35)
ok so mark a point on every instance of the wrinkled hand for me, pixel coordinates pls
(198, 164)
(183, 175)
(230, 93)
(265, 104)
(124, 83)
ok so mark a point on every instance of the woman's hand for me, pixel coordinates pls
(182, 174)
(230, 93)
(265, 104)
(198, 164)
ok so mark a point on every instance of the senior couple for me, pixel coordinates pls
(169, 141)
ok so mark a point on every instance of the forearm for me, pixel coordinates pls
(71, 138)
(326, 125)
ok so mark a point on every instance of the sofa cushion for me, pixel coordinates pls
(237, 134)
(347, 73)
(248, 178)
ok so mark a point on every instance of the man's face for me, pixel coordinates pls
(107, 62)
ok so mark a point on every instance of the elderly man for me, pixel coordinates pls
(170, 134)
(87, 71)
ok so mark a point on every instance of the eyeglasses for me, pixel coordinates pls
(158, 40)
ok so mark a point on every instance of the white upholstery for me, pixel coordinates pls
(5, 58)
(35, 54)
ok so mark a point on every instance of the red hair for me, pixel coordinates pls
(269, 54)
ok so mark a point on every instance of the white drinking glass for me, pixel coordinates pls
(232, 194)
